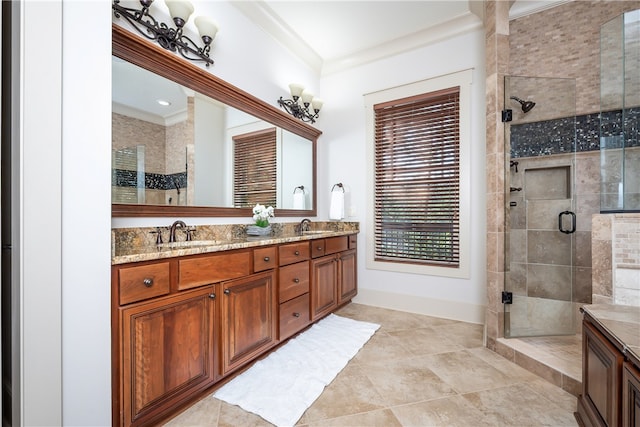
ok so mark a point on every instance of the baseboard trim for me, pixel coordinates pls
(455, 310)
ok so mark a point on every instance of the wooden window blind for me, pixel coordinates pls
(417, 179)
(254, 168)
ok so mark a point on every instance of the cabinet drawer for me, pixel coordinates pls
(193, 272)
(294, 281)
(353, 241)
(317, 248)
(264, 259)
(143, 282)
(334, 245)
(295, 252)
(294, 316)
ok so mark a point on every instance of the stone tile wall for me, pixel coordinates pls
(616, 258)
(561, 42)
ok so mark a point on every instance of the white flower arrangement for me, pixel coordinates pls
(261, 215)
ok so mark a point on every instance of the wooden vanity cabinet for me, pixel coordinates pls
(293, 288)
(248, 308)
(333, 274)
(599, 403)
(168, 352)
(180, 325)
(610, 379)
(630, 395)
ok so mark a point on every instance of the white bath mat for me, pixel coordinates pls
(282, 386)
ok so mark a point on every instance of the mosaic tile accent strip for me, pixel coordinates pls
(152, 181)
(557, 136)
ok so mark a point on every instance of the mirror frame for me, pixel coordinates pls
(145, 54)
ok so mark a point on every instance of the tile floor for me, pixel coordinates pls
(417, 371)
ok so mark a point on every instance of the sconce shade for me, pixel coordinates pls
(179, 10)
(316, 104)
(296, 90)
(306, 97)
(206, 28)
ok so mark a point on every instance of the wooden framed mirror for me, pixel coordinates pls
(175, 193)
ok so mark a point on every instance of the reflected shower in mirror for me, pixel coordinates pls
(173, 146)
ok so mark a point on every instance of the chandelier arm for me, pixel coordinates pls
(167, 37)
(297, 111)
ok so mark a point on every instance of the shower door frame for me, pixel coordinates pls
(540, 208)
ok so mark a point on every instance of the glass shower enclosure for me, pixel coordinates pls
(543, 225)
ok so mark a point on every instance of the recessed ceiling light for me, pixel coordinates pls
(163, 102)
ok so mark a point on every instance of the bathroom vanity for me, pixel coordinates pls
(610, 366)
(186, 317)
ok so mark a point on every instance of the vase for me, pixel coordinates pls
(254, 230)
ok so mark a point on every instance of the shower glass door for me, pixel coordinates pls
(540, 246)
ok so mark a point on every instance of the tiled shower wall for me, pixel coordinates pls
(163, 171)
(616, 259)
(560, 42)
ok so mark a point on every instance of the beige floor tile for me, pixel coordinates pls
(454, 411)
(422, 371)
(465, 372)
(407, 381)
(381, 418)
(520, 405)
(425, 341)
(233, 416)
(204, 413)
(382, 347)
(351, 392)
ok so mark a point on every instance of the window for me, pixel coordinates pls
(418, 144)
(254, 177)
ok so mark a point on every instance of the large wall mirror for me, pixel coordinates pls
(185, 143)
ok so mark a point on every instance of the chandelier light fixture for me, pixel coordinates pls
(298, 107)
(171, 38)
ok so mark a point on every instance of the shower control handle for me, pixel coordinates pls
(561, 225)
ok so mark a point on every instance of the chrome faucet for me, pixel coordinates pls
(172, 230)
(304, 225)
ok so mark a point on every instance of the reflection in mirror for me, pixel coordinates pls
(172, 146)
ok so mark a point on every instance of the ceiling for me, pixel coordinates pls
(332, 35)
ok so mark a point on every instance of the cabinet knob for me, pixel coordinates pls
(266, 259)
(212, 295)
(296, 314)
(296, 280)
(147, 282)
(227, 291)
(319, 248)
(296, 253)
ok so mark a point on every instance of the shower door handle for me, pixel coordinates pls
(561, 225)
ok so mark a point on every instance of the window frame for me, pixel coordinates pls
(463, 80)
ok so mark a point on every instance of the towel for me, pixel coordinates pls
(336, 209)
(298, 200)
(280, 387)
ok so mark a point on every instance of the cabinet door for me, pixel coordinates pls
(167, 353)
(347, 286)
(601, 376)
(630, 395)
(248, 319)
(324, 286)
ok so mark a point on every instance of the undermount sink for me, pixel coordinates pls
(188, 244)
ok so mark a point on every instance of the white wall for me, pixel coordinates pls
(86, 213)
(341, 158)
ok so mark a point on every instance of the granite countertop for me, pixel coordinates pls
(622, 322)
(150, 252)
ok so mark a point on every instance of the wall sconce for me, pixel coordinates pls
(167, 37)
(299, 106)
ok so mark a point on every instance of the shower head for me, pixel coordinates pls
(526, 105)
